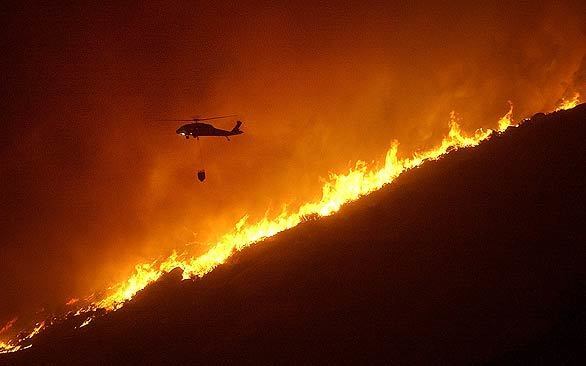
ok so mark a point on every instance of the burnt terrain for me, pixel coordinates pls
(477, 258)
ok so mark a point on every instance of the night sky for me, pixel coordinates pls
(92, 184)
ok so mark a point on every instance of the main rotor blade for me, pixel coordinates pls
(217, 117)
(195, 119)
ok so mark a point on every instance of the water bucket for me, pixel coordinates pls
(201, 175)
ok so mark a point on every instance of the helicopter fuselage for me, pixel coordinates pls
(198, 129)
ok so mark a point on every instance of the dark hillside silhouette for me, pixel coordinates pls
(476, 258)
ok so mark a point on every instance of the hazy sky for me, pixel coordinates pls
(91, 184)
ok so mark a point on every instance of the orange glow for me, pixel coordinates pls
(86, 322)
(338, 190)
(569, 103)
(5, 348)
(506, 120)
(16, 344)
(72, 301)
(8, 325)
(36, 330)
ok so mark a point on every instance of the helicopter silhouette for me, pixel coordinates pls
(196, 128)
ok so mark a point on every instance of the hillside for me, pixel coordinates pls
(475, 258)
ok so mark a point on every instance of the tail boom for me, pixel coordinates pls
(236, 130)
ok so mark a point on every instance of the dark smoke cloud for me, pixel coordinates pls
(91, 184)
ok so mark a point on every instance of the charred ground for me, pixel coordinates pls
(475, 258)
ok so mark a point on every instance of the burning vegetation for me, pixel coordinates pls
(339, 189)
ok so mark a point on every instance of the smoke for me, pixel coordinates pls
(92, 184)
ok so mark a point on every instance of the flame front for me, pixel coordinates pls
(569, 103)
(337, 191)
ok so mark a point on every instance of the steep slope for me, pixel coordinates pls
(475, 258)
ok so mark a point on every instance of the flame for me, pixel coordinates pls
(72, 301)
(568, 103)
(36, 330)
(506, 120)
(8, 325)
(337, 191)
(86, 322)
(17, 344)
(7, 347)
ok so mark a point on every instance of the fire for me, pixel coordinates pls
(86, 322)
(17, 344)
(72, 301)
(337, 191)
(506, 120)
(569, 103)
(6, 348)
(36, 330)
(8, 325)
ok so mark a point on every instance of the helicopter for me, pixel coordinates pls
(196, 128)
